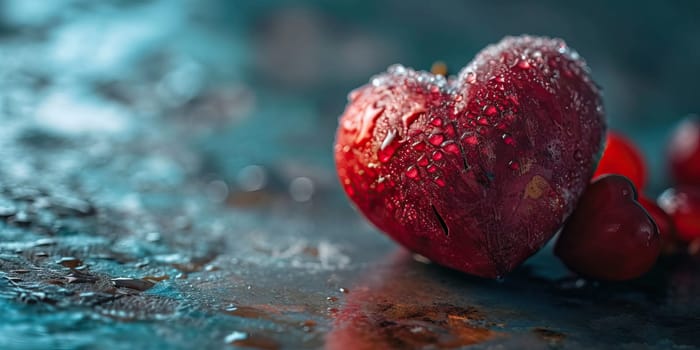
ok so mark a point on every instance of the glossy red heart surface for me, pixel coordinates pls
(478, 171)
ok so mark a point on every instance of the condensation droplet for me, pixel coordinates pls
(388, 139)
(440, 181)
(436, 139)
(514, 164)
(450, 147)
(450, 130)
(436, 122)
(437, 155)
(471, 77)
(524, 64)
(490, 111)
(387, 152)
(422, 161)
(412, 172)
(367, 122)
(508, 139)
(419, 146)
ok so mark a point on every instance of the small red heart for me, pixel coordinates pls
(475, 172)
(609, 236)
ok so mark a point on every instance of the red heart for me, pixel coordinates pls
(479, 171)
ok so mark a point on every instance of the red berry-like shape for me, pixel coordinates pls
(684, 152)
(622, 157)
(609, 236)
(479, 171)
(667, 231)
(683, 205)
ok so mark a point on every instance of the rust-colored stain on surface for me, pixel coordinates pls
(409, 326)
(536, 187)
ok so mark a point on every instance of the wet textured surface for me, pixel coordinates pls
(153, 196)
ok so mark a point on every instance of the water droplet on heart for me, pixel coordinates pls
(455, 112)
(412, 172)
(471, 140)
(397, 69)
(450, 147)
(500, 78)
(367, 122)
(450, 131)
(514, 164)
(436, 139)
(436, 122)
(471, 77)
(524, 64)
(490, 111)
(437, 155)
(508, 139)
(439, 181)
(381, 186)
(482, 121)
(390, 136)
(422, 161)
(388, 151)
(419, 146)
(431, 168)
(412, 115)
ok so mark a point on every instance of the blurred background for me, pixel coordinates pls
(166, 175)
(241, 75)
